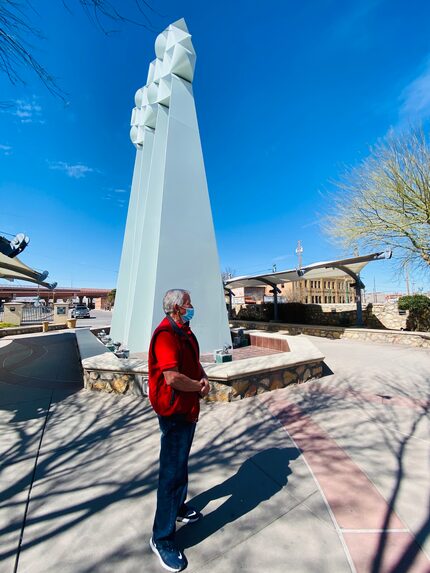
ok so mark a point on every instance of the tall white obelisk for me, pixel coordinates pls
(169, 239)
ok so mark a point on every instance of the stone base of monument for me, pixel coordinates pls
(254, 369)
(247, 377)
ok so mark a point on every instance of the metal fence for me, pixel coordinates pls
(34, 314)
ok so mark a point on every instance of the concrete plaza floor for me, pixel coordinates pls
(329, 476)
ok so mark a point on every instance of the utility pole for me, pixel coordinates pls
(299, 252)
(408, 291)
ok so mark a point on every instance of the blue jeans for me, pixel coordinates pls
(176, 438)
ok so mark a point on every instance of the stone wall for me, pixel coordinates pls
(375, 315)
(250, 385)
(331, 314)
(387, 315)
(105, 372)
(36, 328)
(258, 383)
(115, 382)
(412, 339)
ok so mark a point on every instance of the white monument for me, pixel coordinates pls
(169, 238)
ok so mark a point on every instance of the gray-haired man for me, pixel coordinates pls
(177, 381)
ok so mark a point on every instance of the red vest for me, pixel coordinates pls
(165, 400)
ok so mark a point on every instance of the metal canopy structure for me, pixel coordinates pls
(333, 269)
(14, 269)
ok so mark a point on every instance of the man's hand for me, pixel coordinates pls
(205, 387)
(181, 382)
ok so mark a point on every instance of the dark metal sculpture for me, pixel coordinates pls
(11, 268)
(15, 246)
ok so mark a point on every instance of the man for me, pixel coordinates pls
(177, 381)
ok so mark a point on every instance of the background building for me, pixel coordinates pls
(329, 290)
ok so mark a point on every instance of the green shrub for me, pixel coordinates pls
(6, 325)
(256, 312)
(419, 311)
(294, 312)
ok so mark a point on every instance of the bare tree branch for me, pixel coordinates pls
(385, 201)
(17, 31)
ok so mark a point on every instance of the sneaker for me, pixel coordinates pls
(190, 516)
(171, 558)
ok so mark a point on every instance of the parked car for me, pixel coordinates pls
(80, 311)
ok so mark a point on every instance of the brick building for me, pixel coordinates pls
(330, 290)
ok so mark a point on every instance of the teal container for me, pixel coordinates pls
(220, 358)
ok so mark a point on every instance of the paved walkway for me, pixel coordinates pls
(329, 476)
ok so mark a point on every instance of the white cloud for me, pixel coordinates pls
(281, 258)
(415, 98)
(6, 149)
(26, 110)
(120, 191)
(76, 171)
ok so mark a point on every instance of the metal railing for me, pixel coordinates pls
(35, 314)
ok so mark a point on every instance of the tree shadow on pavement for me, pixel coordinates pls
(377, 414)
(244, 491)
(98, 453)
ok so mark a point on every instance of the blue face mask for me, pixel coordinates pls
(189, 313)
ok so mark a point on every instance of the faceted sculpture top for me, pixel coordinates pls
(175, 55)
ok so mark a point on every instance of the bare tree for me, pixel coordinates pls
(17, 32)
(385, 201)
(228, 273)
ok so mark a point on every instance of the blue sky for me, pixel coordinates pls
(287, 93)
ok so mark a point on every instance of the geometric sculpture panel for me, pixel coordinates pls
(169, 240)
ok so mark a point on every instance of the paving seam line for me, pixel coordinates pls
(404, 530)
(21, 401)
(408, 530)
(335, 523)
(27, 504)
(6, 357)
(254, 533)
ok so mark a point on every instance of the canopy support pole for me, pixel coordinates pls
(275, 291)
(358, 286)
(230, 301)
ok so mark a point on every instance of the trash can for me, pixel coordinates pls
(71, 323)
(45, 326)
